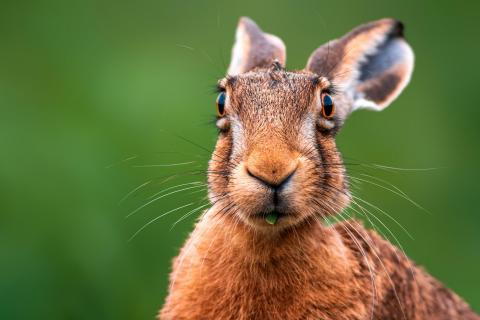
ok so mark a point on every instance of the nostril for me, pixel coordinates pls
(251, 174)
(284, 180)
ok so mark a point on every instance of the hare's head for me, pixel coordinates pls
(276, 162)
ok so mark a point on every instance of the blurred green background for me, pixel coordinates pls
(92, 93)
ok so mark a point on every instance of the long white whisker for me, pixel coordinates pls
(133, 191)
(384, 181)
(188, 214)
(374, 287)
(121, 161)
(370, 244)
(386, 214)
(182, 256)
(380, 166)
(174, 187)
(155, 219)
(394, 192)
(158, 198)
(394, 237)
(163, 165)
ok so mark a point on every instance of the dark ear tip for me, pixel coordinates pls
(398, 29)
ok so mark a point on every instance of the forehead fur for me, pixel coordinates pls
(272, 92)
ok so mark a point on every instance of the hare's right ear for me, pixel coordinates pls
(253, 48)
(371, 64)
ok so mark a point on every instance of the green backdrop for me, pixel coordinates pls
(92, 93)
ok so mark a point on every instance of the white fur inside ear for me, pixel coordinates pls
(239, 51)
(397, 60)
(405, 68)
(253, 48)
(280, 46)
(365, 104)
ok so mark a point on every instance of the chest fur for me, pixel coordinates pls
(220, 280)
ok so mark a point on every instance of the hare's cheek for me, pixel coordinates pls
(238, 139)
(219, 172)
(303, 186)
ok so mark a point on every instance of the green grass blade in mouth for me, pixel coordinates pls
(271, 218)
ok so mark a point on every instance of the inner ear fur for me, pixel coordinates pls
(254, 49)
(371, 64)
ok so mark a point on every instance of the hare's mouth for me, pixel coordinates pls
(265, 201)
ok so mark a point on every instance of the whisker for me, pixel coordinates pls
(155, 219)
(384, 181)
(133, 191)
(186, 251)
(380, 166)
(198, 191)
(174, 187)
(394, 192)
(199, 146)
(374, 251)
(188, 214)
(158, 198)
(121, 161)
(402, 250)
(163, 165)
(364, 255)
(386, 214)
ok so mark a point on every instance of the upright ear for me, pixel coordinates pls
(253, 48)
(372, 63)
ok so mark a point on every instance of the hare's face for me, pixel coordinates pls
(276, 150)
(276, 161)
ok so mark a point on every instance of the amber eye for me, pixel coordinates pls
(328, 108)
(221, 104)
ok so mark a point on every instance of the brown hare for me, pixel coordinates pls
(261, 251)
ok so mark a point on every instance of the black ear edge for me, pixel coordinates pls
(381, 83)
(398, 29)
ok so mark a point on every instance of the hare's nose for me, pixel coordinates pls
(270, 172)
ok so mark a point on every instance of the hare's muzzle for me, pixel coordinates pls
(268, 174)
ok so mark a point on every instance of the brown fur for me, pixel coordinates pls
(275, 152)
(314, 272)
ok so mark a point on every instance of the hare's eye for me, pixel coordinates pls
(221, 104)
(328, 107)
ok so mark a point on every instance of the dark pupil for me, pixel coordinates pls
(221, 102)
(327, 105)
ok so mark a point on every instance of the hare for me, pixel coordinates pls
(261, 251)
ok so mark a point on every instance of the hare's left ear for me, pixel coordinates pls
(371, 64)
(253, 48)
